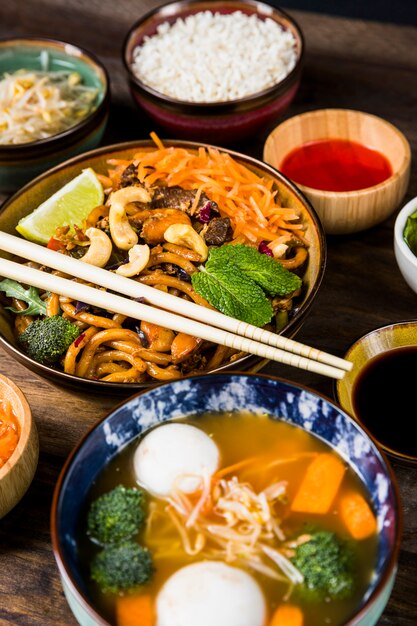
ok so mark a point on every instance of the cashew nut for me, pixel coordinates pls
(100, 248)
(185, 235)
(121, 231)
(138, 259)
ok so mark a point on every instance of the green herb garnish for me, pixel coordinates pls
(261, 268)
(410, 232)
(13, 289)
(235, 278)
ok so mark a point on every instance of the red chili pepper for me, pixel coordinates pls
(55, 244)
(79, 340)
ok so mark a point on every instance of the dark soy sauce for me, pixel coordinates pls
(384, 399)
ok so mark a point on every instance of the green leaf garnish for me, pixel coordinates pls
(410, 232)
(13, 289)
(261, 268)
(230, 291)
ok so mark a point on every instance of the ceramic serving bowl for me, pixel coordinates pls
(234, 392)
(216, 122)
(38, 190)
(387, 353)
(404, 229)
(349, 211)
(21, 162)
(18, 471)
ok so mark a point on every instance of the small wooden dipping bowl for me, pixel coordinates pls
(18, 471)
(343, 212)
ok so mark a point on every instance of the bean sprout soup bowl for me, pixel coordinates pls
(221, 394)
(20, 162)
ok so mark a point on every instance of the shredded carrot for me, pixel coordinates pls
(106, 181)
(357, 515)
(248, 199)
(156, 140)
(320, 485)
(134, 611)
(9, 432)
(287, 615)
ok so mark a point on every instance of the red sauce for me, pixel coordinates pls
(336, 165)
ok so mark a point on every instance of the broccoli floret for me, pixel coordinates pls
(116, 515)
(327, 566)
(45, 340)
(122, 566)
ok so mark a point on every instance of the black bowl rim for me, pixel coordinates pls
(54, 523)
(199, 108)
(69, 135)
(246, 361)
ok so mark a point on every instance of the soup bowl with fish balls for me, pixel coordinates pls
(231, 499)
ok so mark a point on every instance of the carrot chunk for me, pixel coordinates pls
(134, 611)
(287, 615)
(357, 515)
(320, 485)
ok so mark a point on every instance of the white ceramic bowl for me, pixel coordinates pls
(406, 259)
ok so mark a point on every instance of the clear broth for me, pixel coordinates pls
(241, 436)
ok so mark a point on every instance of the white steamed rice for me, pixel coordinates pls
(214, 57)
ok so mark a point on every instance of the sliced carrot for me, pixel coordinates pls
(287, 615)
(320, 485)
(357, 515)
(135, 611)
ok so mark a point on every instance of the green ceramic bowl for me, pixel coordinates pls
(394, 411)
(38, 190)
(21, 162)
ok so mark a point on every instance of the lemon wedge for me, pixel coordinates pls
(68, 206)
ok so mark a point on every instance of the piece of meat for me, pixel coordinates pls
(129, 176)
(178, 198)
(218, 231)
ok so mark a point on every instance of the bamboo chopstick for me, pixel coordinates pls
(134, 289)
(136, 310)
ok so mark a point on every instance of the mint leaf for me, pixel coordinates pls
(233, 293)
(410, 232)
(263, 269)
(13, 289)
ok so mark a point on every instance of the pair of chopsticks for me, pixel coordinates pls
(175, 313)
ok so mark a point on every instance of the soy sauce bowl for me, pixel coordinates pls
(376, 391)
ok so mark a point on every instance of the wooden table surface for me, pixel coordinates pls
(353, 64)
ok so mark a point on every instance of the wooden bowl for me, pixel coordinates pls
(350, 211)
(18, 471)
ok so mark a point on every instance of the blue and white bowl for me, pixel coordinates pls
(238, 392)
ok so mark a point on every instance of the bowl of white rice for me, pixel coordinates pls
(214, 70)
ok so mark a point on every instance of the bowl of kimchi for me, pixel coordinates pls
(171, 211)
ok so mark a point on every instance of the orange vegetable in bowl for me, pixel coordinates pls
(135, 611)
(287, 615)
(357, 516)
(9, 432)
(320, 485)
(19, 445)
